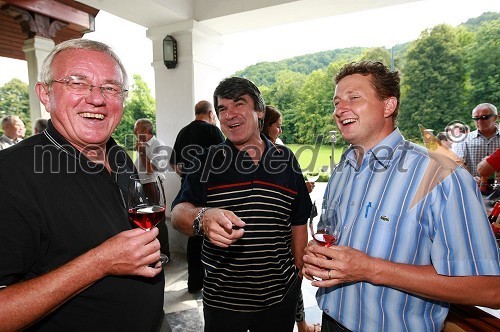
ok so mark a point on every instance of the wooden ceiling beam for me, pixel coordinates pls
(78, 20)
(58, 20)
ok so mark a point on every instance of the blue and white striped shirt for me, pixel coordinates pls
(406, 206)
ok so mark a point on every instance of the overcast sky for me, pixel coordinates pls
(381, 27)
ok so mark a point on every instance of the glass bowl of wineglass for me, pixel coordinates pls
(326, 228)
(312, 176)
(146, 203)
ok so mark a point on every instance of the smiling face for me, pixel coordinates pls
(15, 129)
(362, 118)
(87, 119)
(240, 121)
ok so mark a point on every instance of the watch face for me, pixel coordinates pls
(196, 227)
(197, 224)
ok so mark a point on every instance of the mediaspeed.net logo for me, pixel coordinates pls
(457, 131)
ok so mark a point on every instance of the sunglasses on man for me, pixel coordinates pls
(482, 117)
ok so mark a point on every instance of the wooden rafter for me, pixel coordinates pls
(56, 19)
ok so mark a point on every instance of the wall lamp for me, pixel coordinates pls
(170, 52)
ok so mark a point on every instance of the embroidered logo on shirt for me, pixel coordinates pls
(384, 218)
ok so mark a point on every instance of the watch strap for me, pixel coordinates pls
(197, 224)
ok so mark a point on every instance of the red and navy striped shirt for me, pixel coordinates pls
(258, 270)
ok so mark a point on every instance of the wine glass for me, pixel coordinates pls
(146, 203)
(325, 229)
(312, 176)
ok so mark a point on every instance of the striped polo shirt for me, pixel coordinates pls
(407, 206)
(258, 270)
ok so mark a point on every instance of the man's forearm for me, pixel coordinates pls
(24, 303)
(425, 281)
(182, 217)
(299, 242)
(485, 169)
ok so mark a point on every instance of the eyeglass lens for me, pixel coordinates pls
(81, 86)
(482, 117)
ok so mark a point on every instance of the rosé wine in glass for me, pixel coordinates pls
(325, 229)
(146, 203)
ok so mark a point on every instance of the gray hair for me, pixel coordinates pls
(492, 107)
(47, 71)
(40, 125)
(9, 119)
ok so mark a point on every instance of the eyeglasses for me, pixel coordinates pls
(81, 86)
(482, 117)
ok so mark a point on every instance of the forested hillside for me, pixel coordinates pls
(445, 73)
(264, 73)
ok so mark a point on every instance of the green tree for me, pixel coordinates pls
(377, 54)
(284, 94)
(434, 82)
(475, 23)
(139, 104)
(484, 62)
(14, 100)
(332, 71)
(315, 108)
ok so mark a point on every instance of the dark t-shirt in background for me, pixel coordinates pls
(191, 141)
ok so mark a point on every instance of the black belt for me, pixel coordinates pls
(331, 325)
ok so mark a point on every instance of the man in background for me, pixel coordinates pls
(13, 131)
(201, 133)
(443, 138)
(40, 125)
(151, 159)
(481, 142)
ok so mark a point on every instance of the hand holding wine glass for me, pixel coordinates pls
(326, 228)
(146, 203)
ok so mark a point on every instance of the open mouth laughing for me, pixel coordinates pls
(88, 115)
(348, 121)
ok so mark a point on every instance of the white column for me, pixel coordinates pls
(36, 50)
(177, 90)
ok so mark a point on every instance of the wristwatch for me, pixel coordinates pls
(197, 224)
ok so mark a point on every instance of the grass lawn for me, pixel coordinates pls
(314, 157)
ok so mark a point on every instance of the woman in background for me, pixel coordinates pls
(272, 124)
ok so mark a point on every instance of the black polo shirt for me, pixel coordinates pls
(271, 197)
(56, 205)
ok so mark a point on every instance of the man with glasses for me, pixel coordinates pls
(481, 142)
(69, 258)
